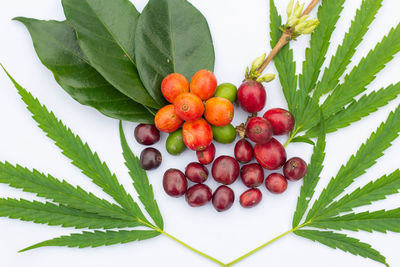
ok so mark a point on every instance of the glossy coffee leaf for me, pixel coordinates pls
(56, 45)
(171, 36)
(105, 31)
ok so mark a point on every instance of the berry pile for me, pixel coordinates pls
(202, 111)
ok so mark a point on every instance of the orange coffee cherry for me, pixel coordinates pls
(189, 107)
(197, 135)
(219, 111)
(174, 85)
(166, 119)
(203, 84)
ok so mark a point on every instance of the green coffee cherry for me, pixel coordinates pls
(225, 134)
(174, 143)
(227, 90)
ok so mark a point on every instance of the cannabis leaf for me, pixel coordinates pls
(74, 207)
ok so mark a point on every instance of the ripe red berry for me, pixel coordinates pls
(150, 159)
(271, 155)
(188, 107)
(147, 134)
(174, 85)
(197, 135)
(276, 183)
(243, 151)
(250, 198)
(206, 156)
(282, 121)
(174, 183)
(198, 195)
(259, 130)
(225, 170)
(223, 198)
(252, 96)
(295, 169)
(252, 175)
(196, 172)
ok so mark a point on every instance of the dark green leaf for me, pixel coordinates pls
(363, 74)
(96, 239)
(79, 152)
(106, 31)
(140, 181)
(51, 214)
(343, 242)
(56, 45)
(342, 58)
(328, 15)
(357, 165)
(312, 177)
(381, 221)
(179, 40)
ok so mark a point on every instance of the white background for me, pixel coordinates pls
(240, 32)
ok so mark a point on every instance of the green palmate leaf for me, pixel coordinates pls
(343, 242)
(56, 45)
(342, 58)
(301, 139)
(358, 109)
(179, 40)
(106, 31)
(79, 152)
(365, 157)
(51, 214)
(96, 239)
(140, 181)
(312, 177)
(58, 191)
(373, 191)
(328, 15)
(381, 221)
(284, 62)
(362, 75)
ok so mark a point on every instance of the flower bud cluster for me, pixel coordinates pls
(299, 23)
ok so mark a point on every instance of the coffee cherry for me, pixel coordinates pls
(271, 155)
(282, 121)
(203, 84)
(147, 134)
(198, 195)
(276, 183)
(197, 135)
(259, 130)
(225, 170)
(225, 134)
(250, 198)
(174, 85)
(206, 156)
(295, 169)
(223, 198)
(150, 158)
(252, 175)
(174, 143)
(252, 96)
(174, 183)
(243, 151)
(188, 107)
(166, 120)
(226, 90)
(196, 172)
(219, 111)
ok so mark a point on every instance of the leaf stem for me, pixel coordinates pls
(292, 136)
(284, 40)
(264, 245)
(220, 263)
